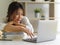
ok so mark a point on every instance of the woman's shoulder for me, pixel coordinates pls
(25, 17)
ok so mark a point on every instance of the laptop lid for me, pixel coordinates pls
(46, 30)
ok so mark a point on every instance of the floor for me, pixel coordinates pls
(54, 42)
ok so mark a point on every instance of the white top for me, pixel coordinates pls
(26, 21)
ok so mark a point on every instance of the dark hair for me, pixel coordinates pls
(13, 7)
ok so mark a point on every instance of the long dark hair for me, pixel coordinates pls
(13, 7)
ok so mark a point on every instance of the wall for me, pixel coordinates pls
(57, 13)
(3, 8)
(31, 7)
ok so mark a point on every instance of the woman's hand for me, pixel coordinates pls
(29, 33)
(25, 29)
(19, 24)
(17, 20)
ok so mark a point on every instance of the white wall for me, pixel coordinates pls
(32, 7)
(57, 13)
(3, 8)
(57, 0)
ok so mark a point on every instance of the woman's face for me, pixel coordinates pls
(17, 15)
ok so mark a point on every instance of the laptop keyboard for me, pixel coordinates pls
(33, 39)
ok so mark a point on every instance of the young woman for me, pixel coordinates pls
(17, 22)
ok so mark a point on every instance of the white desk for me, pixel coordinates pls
(54, 42)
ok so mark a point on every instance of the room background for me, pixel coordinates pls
(4, 6)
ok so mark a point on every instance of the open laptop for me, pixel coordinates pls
(46, 31)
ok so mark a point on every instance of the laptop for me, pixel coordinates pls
(46, 31)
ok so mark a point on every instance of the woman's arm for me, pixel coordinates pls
(20, 24)
(8, 27)
(28, 24)
(12, 28)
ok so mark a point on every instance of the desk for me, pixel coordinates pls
(54, 42)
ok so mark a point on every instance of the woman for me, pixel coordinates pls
(17, 22)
